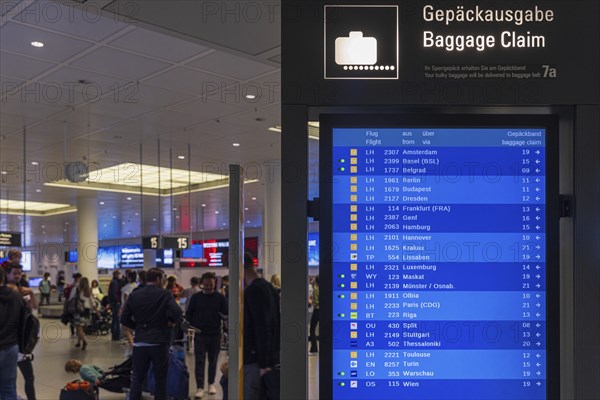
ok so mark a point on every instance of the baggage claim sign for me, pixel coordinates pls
(507, 39)
(362, 41)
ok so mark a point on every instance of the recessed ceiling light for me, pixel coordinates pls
(224, 224)
(154, 219)
(114, 217)
(177, 216)
(136, 214)
(129, 198)
(216, 212)
(254, 198)
(246, 208)
(37, 44)
(247, 222)
(250, 96)
(181, 157)
(174, 208)
(38, 190)
(101, 203)
(35, 163)
(43, 226)
(4, 172)
(236, 145)
(203, 205)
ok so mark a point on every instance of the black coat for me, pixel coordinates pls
(151, 311)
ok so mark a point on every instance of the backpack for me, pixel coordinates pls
(75, 305)
(45, 287)
(29, 334)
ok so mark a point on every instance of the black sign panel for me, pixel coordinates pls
(176, 242)
(10, 239)
(152, 242)
(488, 52)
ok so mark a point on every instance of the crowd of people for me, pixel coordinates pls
(148, 311)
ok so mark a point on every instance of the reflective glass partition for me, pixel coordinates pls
(443, 258)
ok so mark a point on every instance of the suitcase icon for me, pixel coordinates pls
(355, 49)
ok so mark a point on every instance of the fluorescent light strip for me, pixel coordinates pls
(313, 130)
(147, 192)
(34, 208)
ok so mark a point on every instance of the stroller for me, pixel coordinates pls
(118, 378)
(99, 325)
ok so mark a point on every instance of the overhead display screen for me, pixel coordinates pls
(439, 263)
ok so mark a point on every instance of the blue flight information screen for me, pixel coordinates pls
(439, 263)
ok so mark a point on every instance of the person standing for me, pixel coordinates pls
(125, 293)
(205, 312)
(151, 312)
(261, 329)
(14, 256)
(314, 320)
(97, 291)
(45, 289)
(189, 292)
(114, 299)
(24, 361)
(84, 291)
(60, 284)
(12, 314)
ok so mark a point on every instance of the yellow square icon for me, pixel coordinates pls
(353, 335)
(354, 306)
(353, 227)
(353, 315)
(353, 217)
(354, 189)
(353, 296)
(353, 169)
(354, 179)
(353, 208)
(353, 236)
(353, 197)
(353, 152)
(353, 267)
(353, 285)
(353, 160)
(354, 354)
(353, 246)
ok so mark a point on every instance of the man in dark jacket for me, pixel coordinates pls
(12, 313)
(151, 312)
(261, 329)
(205, 312)
(114, 299)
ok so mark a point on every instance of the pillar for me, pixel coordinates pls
(271, 241)
(87, 235)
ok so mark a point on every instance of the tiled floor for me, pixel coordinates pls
(55, 348)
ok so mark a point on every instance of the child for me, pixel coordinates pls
(88, 372)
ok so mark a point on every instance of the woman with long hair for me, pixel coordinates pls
(84, 293)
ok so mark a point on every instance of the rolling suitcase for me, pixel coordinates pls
(178, 378)
(79, 390)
